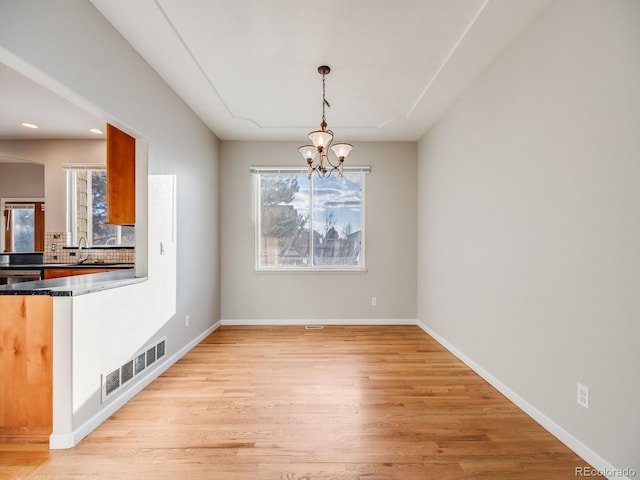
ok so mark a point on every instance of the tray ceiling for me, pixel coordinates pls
(248, 68)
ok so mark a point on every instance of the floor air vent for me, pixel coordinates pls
(118, 378)
(314, 327)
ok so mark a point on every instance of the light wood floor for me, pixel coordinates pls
(284, 403)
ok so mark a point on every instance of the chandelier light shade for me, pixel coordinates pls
(321, 140)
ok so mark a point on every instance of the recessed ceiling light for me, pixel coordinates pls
(29, 125)
(96, 131)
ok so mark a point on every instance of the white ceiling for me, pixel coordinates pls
(248, 68)
(24, 100)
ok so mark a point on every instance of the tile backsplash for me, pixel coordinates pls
(57, 249)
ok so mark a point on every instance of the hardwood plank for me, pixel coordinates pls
(343, 403)
(18, 460)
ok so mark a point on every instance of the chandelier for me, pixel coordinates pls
(321, 140)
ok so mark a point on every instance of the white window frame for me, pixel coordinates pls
(256, 171)
(3, 206)
(72, 214)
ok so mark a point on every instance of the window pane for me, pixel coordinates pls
(102, 234)
(128, 235)
(23, 229)
(313, 223)
(87, 210)
(337, 220)
(284, 217)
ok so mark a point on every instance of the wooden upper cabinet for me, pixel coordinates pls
(121, 177)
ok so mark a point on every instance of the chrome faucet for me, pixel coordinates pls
(82, 241)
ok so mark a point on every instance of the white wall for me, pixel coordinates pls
(70, 48)
(113, 313)
(390, 201)
(53, 154)
(21, 180)
(528, 224)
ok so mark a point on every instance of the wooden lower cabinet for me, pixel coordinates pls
(68, 272)
(26, 367)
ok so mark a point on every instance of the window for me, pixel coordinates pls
(24, 226)
(87, 208)
(309, 224)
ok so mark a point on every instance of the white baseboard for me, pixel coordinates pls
(588, 455)
(58, 441)
(315, 321)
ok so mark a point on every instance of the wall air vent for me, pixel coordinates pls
(160, 350)
(141, 363)
(113, 381)
(126, 372)
(151, 355)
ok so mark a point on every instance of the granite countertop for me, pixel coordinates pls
(41, 266)
(74, 285)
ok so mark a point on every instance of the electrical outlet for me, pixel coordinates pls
(583, 395)
(187, 320)
(374, 301)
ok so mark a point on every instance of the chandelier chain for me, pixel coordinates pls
(324, 100)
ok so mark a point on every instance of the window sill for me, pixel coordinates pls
(312, 271)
